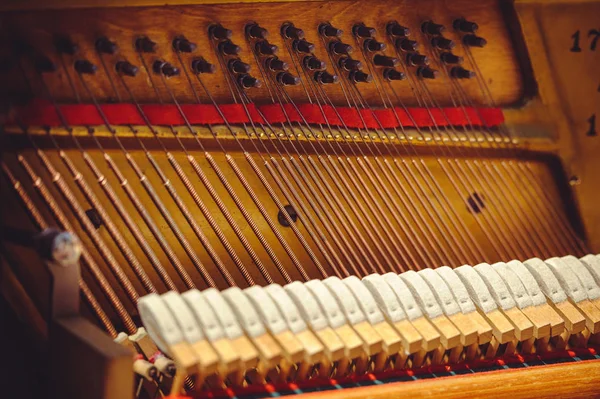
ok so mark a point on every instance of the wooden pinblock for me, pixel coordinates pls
(412, 341)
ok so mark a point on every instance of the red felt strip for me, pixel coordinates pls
(39, 113)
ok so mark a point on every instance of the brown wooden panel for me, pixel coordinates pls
(497, 60)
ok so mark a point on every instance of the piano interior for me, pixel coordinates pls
(341, 198)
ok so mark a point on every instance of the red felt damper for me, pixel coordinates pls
(40, 113)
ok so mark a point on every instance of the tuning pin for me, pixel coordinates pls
(65, 45)
(465, 26)
(474, 41)
(373, 45)
(265, 48)
(384, 61)
(405, 44)
(432, 28)
(165, 68)
(238, 66)
(313, 63)
(287, 79)
(126, 68)
(450, 59)
(325, 77)
(256, 31)
(427, 73)
(200, 65)
(395, 29)
(350, 64)
(218, 31)
(361, 30)
(360, 77)
(183, 45)
(103, 45)
(302, 46)
(416, 59)
(44, 64)
(288, 30)
(276, 65)
(392, 74)
(340, 48)
(145, 45)
(247, 81)
(461, 73)
(442, 43)
(327, 30)
(227, 47)
(85, 67)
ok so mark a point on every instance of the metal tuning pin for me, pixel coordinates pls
(441, 43)
(450, 59)
(287, 79)
(361, 30)
(236, 65)
(276, 65)
(289, 31)
(126, 68)
(219, 32)
(328, 30)
(265, 48)
(325, 77)
(302, 46)
(416, 59)
(248, 81)
(432, 28)
(395, 29)
(340, 48)
(104, 45)
(200, 65)
(350, 64)
(474, 41)
(44, 64)
(65, 45)
(256, 31)
(360, 77)
(461, 73)
(227, 47)
(462, 25)
(145, 45)
(384, 61)
(85, 67)
(391, 74)
(313, 63)
(183, 45)
(427, 73)
(373, 45)
(164, 68)
(405, 44)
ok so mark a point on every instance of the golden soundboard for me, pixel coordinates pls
(329, 198)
